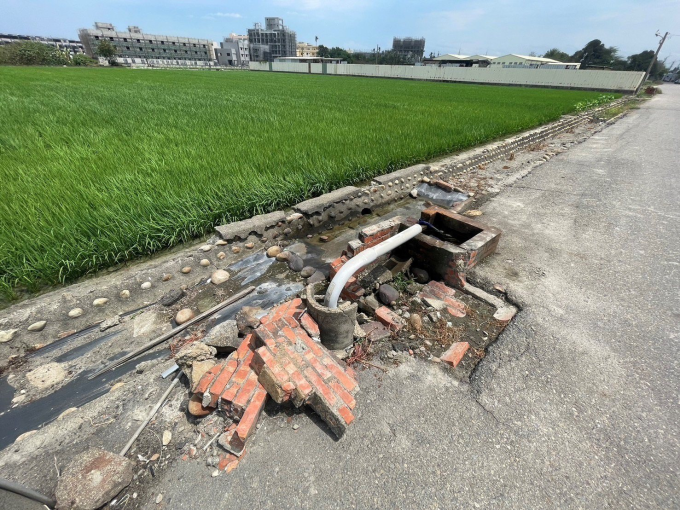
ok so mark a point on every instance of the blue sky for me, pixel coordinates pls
(493, 27)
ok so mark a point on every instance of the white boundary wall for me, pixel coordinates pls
(614, 81)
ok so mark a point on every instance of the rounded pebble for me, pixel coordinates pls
(273, 251)
(100, 301)
(236, 249)
(146, 285)
(205, 262)
(76, 312)
(167, 277)
(250, 246)
(184, 315)
(37, 326)
(219, 276)
(186, 270)
(205, 248)
(221, 255)
(124, 294)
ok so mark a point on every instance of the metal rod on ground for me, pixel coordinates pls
(151, 415)
(17, 488)
(170, 334)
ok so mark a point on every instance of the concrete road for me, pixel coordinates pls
(576, 405)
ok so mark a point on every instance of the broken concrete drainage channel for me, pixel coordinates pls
(416, 267)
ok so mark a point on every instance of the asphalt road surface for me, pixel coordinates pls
(575, 406)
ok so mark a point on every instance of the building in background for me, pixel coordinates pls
(453, 60)
(521, 61)
(135, 47)
(409, 47)
(73, 47)
(275, 40)
(233, 51)
(307, 50)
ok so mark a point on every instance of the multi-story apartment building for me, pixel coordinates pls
(73, 47)
(307, 50)
(275, 40)
(409, 47)
(233, 51)
(137, 47)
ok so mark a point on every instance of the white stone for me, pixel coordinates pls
(76, 312)
(167, 437)
(219, 276)
(205, 248)
(124, 294)
(7, 335)
(146, 285)
(100, 301)
(205, 262)
(37, 326)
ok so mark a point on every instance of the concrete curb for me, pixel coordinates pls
(350, 202)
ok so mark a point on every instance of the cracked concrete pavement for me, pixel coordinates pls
(576, 405)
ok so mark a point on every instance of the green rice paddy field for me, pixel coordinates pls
(98, 166)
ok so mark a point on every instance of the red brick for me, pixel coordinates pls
(310, 325)
(244, 395)
(217, 387)
(455, 353)
(346, 414)
(208, 378)
(347, 381)
(343, 394)
(455, 311)
(390, 319)
(251, 415)
(320, 386)
(321, 370)
(439, 289)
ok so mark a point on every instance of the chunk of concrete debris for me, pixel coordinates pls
(317, 277)
(371, 304)
(109, 323)
(46, 375)
(167, 437)
(375, 331)
(195, 359)
(223, 336)
(435, 303)
(92, 480)
(249, 318)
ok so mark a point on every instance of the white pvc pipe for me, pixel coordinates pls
(363, 259)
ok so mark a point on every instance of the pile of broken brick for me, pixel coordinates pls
(283, 356)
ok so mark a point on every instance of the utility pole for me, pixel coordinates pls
(651, 64)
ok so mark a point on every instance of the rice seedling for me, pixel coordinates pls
(99, 166)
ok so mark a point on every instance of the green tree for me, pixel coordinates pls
(323, 51)
(640, 62)
(32, 53)
(558, 55)
(107, 50)
(595, 53)
(83, 60)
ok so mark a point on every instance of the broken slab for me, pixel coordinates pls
(93, 479)
(257, 225)
(223, 336)
(440, 297)
(455, 353)
(319, 204)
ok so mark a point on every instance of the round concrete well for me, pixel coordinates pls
(336, 325)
